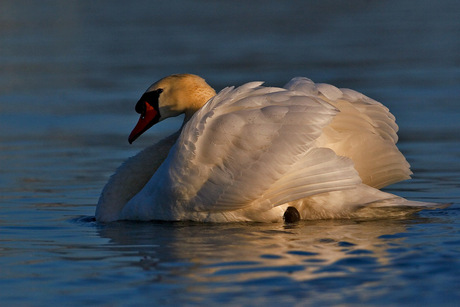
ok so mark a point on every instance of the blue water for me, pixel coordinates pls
(70, 74)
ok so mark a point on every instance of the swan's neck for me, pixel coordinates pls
(197, 99)
(131, 177)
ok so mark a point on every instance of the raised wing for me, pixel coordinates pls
(255, 145)
(364, 131)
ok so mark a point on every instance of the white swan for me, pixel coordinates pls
(256, 153)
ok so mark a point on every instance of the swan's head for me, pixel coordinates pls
(168, 97)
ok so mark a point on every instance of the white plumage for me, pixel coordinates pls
(252, 151)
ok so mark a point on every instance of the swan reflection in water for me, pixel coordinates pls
(245, 252)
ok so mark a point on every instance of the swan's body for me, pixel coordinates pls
(249, 153)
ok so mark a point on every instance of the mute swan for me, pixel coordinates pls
(255, 153)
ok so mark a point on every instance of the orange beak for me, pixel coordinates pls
(148, 118)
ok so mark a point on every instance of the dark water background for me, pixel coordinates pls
(70, 74)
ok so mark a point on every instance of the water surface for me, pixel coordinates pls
(70, 74)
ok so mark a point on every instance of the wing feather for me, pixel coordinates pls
(254, 145)
(364, 131)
